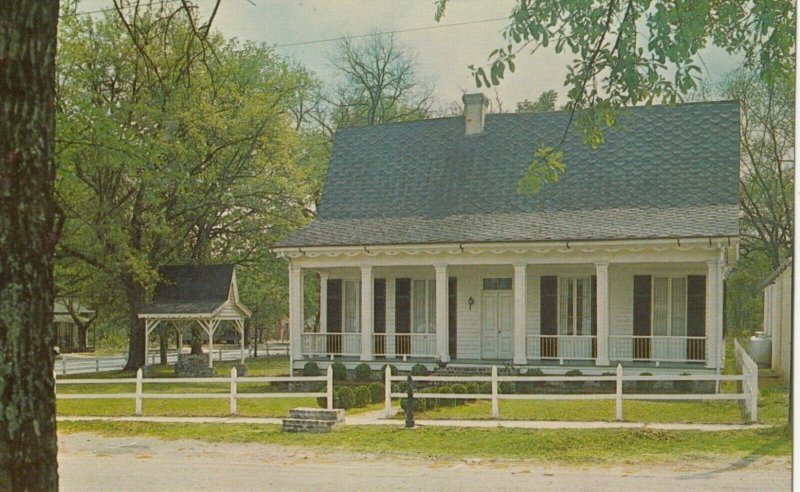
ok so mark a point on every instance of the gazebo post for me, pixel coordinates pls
(146, 339)
(240, 324)
(210, 332)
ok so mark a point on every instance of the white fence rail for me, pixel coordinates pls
(749, 393)
(749, 383)
(405, 344)
(138, 395)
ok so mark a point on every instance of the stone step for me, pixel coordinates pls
(308, 425)
(335, 415)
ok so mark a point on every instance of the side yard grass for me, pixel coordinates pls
(563, 446)
(273, 366)
(773, 406)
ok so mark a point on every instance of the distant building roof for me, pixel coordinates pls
(191, 289)
(662, 172)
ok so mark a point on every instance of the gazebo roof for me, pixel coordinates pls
(191, 289)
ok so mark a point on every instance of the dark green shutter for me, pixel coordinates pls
(379, 314)
(334, 306)
(696, 316)
(548, 315)
(334, 315)
(402, 315)
(594, 315)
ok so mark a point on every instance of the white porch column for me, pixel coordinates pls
(713, 313)
(295, 314)
(442, 316)
(323, 302)
(520, 310)
(602, 314)
(367, 305)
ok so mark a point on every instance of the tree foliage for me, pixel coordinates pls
(629, 52)
(379, 82)
(766, 178)
(545, 102)
(173, 151)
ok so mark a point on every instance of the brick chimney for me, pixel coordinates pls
(475, 106)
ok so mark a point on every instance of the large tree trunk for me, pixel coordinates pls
(197, 341)
(27, 239)
(135, 295)
(162, 345)
(82, 329)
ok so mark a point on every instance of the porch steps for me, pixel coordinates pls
(313, 420)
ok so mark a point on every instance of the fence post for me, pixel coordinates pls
(387, 392)
(753, 393)
(139, 392)
(233, 391)
(63, 365)
(96, 363)
(619, 392)
(329, 386)
(495, 406)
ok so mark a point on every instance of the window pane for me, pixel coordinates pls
(418, 301)
(660, 313)
(431, 306)
(679, 307)
(352, 306)
(565, 306)
(489, 284)
(584, 306)
(503, 283)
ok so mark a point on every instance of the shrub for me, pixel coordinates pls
(362, 396)
(391, 367)
(363, 372)
(645, 386)
(473, 388)
(529, 387)
(460, 389)
(376, 392)
(683, 386)
(339, 371)
(608, 385)
(344, 398)
(573, 384)
(311, 369)
(505, 387)
(485, 388)
(422, 404)
(445, 402)
(419, 370)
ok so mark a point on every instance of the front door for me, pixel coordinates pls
(497, 319)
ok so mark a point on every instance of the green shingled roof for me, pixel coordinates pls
(190, 289)
(663, 171)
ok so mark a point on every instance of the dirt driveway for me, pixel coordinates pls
(88, 462)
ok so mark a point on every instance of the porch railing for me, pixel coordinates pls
(326, 344)
(562, 347)
(404, 344)
(657, 348)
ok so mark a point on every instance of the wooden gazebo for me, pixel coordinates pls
(205, 294)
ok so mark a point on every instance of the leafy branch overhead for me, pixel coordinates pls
(630, 52)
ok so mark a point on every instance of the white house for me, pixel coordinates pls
(426, 252)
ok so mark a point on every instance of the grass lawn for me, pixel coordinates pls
(273, 366)
(773, 408)
(565, 446)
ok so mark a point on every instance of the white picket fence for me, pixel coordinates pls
(749, 392)
(232, 396)
(749, 383)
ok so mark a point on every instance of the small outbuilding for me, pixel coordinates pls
(66, 317)
(204, 294)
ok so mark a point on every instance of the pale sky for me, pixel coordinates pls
(443, 54)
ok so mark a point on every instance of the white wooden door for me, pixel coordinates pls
(497, 324)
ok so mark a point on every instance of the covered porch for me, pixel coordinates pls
(570, 306)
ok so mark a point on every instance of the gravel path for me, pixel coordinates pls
(89, 462)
